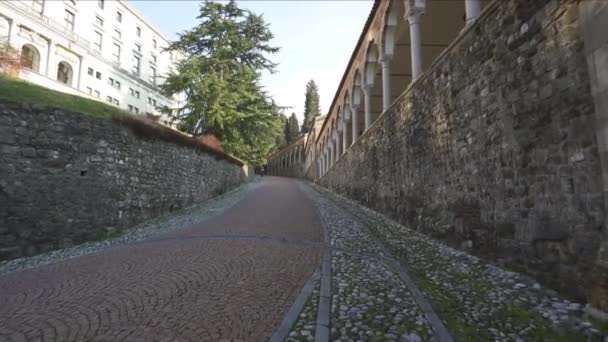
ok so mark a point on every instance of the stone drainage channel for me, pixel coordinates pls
(362, 293)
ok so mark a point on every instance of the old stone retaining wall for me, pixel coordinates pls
(494, 149)
(67, 178)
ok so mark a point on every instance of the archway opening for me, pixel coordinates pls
(30, 58)
(64, 73)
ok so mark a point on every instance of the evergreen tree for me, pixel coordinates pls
(294, 127)
(224, 56)
(312, 107)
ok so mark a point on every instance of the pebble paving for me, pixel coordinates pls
(305, 327)
(477, 301)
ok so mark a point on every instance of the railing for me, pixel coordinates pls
(29, 11)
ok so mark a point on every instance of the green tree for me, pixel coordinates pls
(291, 128)
(224, 56)
(311, 106)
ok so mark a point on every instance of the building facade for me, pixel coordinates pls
(103, 50)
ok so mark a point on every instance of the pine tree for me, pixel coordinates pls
(294, 127)
(220, 76)
(311, 106)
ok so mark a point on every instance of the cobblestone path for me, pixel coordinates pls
(232, 277)
(281, 260)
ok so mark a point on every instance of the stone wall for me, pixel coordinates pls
(67, 178)
(494, 150)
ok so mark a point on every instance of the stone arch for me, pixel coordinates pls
(372, 85)
(30, 57)
(390, 29)
(65, 73)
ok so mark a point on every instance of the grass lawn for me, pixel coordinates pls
(15, 90)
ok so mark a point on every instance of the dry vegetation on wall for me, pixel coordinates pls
(14, 90)
(10, 60)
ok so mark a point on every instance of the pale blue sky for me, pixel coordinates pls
(316, 40)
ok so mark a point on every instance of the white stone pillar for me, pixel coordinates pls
(367, 96)
(472, 9)
(386, 82)
(80, 68)
(355, 122)
(50, 59)
(414, 12)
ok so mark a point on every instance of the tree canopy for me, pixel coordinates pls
(312, 107)
(292, 129)
(219, 76)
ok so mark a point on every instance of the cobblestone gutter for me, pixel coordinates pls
(477, 301)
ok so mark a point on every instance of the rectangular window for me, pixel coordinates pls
(89, 90)
(131, 91)
(101, 4)
(118, 16)
(98, 21)
(152, 101)
(153, 59)
(69, 20)
(136, 64)
(136, 110)
(117, 34)
(154, 43)
(116, 53)
(98, 40)
(116, 102)
(38, 6)
(137, 47)
(97, 94)
(130, 108)
(117, 85)
(98, 75)
(137, 93)
(111, 81)
(153, 75)
(90, 71)
(109, 99)
(138, 31)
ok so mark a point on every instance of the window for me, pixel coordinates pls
(153, 59)
(137, 93)
(130, 108)
(69, 20)
(90, 71)
(98, 21)
(154, 43)
(152, 101)
(97, 94)
(98, 40)
(133, 109)
(138, 31)
(98, 75)
(119, 16)
(38, 6)
(109, 99)
(136, 64)
(30, 57)
(117, 33)
(137, 47)
(136, 110)
(133, 92)
(100, 4)
(116, 102)
(116, 53)
(153, 75)
(89, 90)
(114, 83)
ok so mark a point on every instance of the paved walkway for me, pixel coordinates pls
(259, 270)
(232, 277)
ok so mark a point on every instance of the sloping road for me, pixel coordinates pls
(232, 277)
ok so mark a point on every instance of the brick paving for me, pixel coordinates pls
(201, 283)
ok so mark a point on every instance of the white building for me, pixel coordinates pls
(99, 49)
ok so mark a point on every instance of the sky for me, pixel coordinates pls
(316, 38)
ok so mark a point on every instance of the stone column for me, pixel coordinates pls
(80, 68)
(338, 143)
(414, 11)
(472, 8)
(355, 122)
(386, 82)
(367, 95)
(344, 132)
(49, 60)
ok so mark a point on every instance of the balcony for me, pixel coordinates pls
(26, 9)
